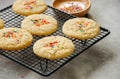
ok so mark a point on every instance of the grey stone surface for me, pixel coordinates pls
(102, 61)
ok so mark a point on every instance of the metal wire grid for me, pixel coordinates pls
(43, 66)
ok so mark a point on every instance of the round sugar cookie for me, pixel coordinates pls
(14, 38)
(40, 24)
(1, 23)
(53, 47)
(28, 7)
(81, 28)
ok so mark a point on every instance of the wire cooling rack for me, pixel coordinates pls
(26, 56)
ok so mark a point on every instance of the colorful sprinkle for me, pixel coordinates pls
(51, 44)
(12, 34)
(26, 35)
(62, 47)
(81, 25)
(40, 22)
(71, 8)
(30, 4)
(81, 30)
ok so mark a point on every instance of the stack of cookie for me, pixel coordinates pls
(36, 23)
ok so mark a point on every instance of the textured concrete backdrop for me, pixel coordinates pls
(102, 61)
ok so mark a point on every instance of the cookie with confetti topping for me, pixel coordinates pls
(40, 24)
(53, 47)
(14, 38)
(1, 23)
(81, 28)
(28, 7)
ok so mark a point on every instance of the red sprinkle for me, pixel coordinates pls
(40, 22)
(51, 44)
(29, 5)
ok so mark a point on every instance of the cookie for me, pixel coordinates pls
(14, 38)
(53, 47)
(1, 24)
(28, 7)
(39, 24)
(81, 28)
